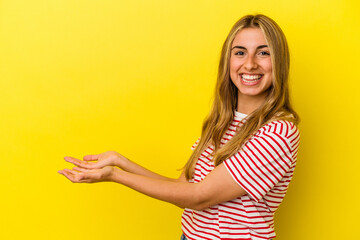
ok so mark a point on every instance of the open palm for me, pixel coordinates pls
(81, 175)
(95, 161)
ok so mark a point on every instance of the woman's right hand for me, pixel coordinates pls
(109, 158)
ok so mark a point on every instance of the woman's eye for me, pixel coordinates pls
(240, 53)
(264, 53)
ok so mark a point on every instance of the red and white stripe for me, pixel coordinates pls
(263, 168)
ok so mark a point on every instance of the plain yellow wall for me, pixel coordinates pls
(84, 76)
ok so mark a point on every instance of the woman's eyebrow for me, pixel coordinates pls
(258, 47)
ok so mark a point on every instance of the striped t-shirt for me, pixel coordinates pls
(263, 168)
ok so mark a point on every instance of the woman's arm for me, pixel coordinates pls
(112, 158)
(132, 167)
(217, 187)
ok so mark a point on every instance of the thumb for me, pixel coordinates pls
(91, 157)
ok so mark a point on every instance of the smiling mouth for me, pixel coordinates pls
(251, 79)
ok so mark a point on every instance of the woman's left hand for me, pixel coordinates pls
(82, 175)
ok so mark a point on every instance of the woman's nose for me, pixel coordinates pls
(250, 63)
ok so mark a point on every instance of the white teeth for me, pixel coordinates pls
(250, 77)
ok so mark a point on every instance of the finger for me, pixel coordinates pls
(72, 160)
(79, 169)
(91, 157)
(69, 171)
(86, 163)
(68, 158)
(68, 175)
(61, 172)
(74, 176)
(80, 163)
(89, 176)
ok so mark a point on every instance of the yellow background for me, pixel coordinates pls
(83, 76)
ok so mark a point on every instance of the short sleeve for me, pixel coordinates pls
(195, 144)
(263, 161)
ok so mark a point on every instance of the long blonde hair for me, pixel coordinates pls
(276, 106)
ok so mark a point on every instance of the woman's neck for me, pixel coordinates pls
(248, 104)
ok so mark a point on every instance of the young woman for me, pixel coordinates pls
(244, 160)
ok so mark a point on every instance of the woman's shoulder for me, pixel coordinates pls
(282, 128)
(280, 134)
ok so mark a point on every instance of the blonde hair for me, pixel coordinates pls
(276, 106)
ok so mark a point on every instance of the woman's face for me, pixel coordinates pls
(250, 64)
